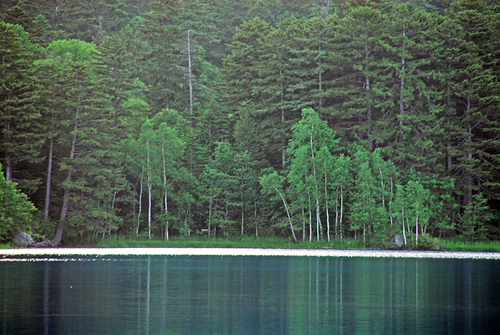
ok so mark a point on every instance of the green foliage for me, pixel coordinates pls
(199, 113)
(16, 211)
(19, 117)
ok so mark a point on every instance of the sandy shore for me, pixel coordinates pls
(66, 252)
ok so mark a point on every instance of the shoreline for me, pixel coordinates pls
(162, 251)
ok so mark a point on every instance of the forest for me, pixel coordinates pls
(303, 119)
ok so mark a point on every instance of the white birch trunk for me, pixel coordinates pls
(382, 185)
(303, 223)
(318, 219)
(310, 216)
(341, 210)
(165, 188)
(209, 216)
(416, 229)
(190, 78)
(287, 213)
(327, 214)
(390, 209)
(140, 204)
(255, 217)
(336, 218)
(403, 219)
(242, 214)
(150, 187)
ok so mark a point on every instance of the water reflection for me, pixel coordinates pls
(250, 295)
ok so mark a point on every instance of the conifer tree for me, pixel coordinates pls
(475, 100)
(19, 116)
(405, 115)
(357, 59)
(93, 171)
(273, 112)
(161, 28)
(310, 75)
(240, 66)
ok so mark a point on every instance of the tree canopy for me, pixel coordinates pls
(305, 119)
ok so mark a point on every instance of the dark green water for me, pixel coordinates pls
(250, 295)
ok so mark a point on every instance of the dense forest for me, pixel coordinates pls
(306, 119)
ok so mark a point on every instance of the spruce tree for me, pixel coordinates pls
(475, 101)
(161, 28)
(356, 60)
(19, 115)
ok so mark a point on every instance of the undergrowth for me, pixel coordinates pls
(243, 242)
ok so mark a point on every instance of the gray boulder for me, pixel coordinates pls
(22, 238)
(399, 240)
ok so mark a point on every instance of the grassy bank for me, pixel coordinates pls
(457, 245)
(269, 242)
(274, 243)
(244, 242)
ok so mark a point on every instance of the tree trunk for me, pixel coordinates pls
(468, 155)
(327, 214)
(165, 188)
(390, 209)
(341, 210)
(310, 216)
(49, 171)
(318, 219)
(255, 216)
(140, 205)
(320, 80)
(403, 219)
(8, 158)
(402, 84)
(150, 188)
(336, 218)
(283, 140)
(209, 216)
(303, 223)
(287, 213)
(64, 211)
(190, 78)
(167, 233)
(416, 229)
(242, 214)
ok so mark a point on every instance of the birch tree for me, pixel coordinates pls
(310, 154)
(272, 181)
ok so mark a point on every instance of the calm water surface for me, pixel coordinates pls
(249, 295)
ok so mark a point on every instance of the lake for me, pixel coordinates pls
(158, 293)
